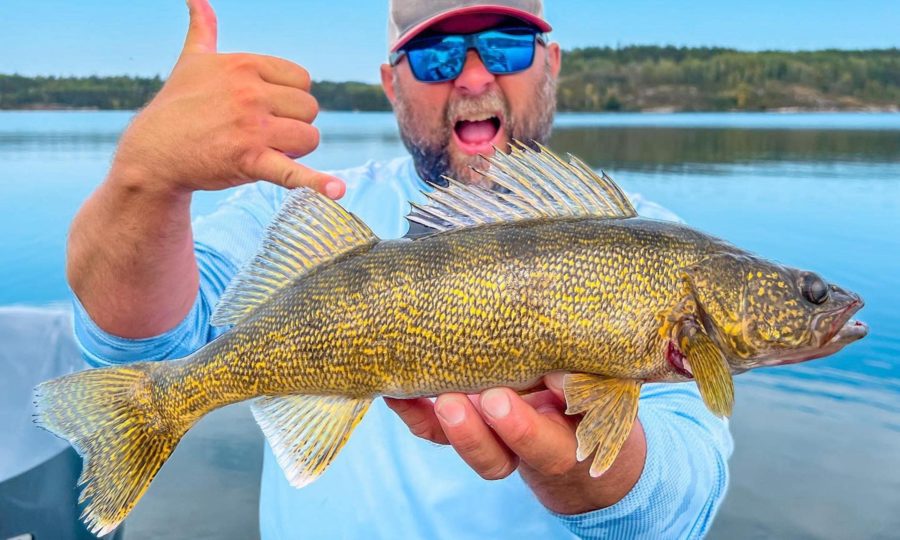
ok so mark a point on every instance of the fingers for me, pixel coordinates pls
(541, 437)
(273, 166)
(202, 30)
(555, 383)
(418, 415)
(545, 402)
(291, 137)
(493, 432)
(472, 439)
(292, 103)
(279, 71)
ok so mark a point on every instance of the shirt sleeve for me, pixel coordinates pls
(685, 474)
(223, 241)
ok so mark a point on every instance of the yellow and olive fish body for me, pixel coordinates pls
(419, 318)
(550, 271)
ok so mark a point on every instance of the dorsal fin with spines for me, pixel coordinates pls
(308, 230)
(530, 184)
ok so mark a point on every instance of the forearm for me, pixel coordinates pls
(222, 242)
(130, 255)
(220, 120)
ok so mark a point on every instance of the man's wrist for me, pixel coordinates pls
(136, 179)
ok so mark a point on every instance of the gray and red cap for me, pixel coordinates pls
(408, 18)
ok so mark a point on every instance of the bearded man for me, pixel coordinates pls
(463, 78)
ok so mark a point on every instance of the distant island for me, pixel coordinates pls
(595, 79)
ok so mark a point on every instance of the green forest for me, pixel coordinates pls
(636, 78)
(715, 79)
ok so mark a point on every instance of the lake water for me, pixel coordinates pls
(817, 445)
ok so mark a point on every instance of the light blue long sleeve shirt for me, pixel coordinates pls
(387, 483)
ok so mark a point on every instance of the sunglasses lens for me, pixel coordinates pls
(436, 60)
(441, 58)
(504, 52)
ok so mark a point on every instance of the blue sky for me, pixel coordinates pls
(345, 39)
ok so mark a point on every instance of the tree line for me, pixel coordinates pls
(635, 78)
(718, 79)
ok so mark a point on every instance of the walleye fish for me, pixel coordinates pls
(551, 271)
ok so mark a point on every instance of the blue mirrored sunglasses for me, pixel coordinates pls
(441, 58)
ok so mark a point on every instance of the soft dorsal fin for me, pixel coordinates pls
(308, 230)
(532, 184)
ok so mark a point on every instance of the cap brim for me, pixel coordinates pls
(530, 18)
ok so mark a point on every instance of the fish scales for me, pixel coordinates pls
(551, 271)
(460, 311)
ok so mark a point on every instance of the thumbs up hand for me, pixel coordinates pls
(223, 120)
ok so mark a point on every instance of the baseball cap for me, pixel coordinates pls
(407, 18)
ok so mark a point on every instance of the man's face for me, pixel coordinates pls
(445, 126)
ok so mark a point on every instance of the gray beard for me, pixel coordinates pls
(430, 148)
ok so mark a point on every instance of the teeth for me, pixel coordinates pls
(486, 116)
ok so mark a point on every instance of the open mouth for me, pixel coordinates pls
(851, 331)
(478, 135)
(844, 330)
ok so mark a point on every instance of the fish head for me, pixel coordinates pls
(761, 313)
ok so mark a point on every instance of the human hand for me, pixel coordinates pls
(222, 120)
(498, 432)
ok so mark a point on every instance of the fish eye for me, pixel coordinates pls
(814, 288)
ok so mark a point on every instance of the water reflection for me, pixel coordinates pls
(648, 148)
(834, 385)
(811, 461)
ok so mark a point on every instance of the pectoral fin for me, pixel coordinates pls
(610, 407)
(710, 370)
(307, 432)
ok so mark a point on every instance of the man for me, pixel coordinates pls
(461, 80)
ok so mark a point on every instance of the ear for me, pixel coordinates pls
(555, 58)
(387, 82)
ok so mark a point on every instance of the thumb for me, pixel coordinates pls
(275, 167)
(555, 382)
(202, 31)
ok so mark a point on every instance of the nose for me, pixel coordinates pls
(474, 78)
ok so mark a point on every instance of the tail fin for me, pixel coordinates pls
(110, 418)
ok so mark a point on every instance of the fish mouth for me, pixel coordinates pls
(851, 331)
(479, 133)
(842, 331)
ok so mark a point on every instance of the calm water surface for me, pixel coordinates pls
(818, 444)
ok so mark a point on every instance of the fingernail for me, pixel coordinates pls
(495, 403)
(334, 190)
(554, 381)
(451, 411)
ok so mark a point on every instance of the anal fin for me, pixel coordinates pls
(610, 407)
(307, 432)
